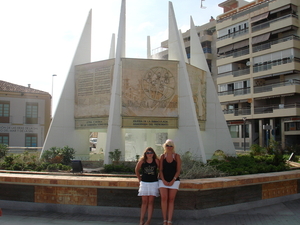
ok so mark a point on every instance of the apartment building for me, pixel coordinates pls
(25, 115)
(258, 77)
(207, 36)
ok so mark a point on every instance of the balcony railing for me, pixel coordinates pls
(269, 87)
(267, 24)
(235, 54)
(240, 91)
(268, 65)
(238, 112)
(235, 34)
(269, 109)
(269, 44)
(235, 73)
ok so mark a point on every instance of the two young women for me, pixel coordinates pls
(169, 166)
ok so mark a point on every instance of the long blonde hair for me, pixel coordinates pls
(169, 142)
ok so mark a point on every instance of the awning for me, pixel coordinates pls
(282, 30)
(280, 9)
(274, 74)
(260, 38)
(259, 17)
(226, 48)
(267, 97)
(241, 44)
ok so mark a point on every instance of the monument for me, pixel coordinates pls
(135, 103)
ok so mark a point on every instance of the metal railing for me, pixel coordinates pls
(234, 35)
(267, 24)
(269, 87)
(263, 66)
(274, 42)
(270, 108)
(235, 73)
(235, 92)
(238, 112)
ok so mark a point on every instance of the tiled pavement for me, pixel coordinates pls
(284, 213)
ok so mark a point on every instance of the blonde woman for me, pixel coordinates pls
(170, 166)
(148, 165)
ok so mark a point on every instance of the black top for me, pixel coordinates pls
(149, 171)
(169, 169)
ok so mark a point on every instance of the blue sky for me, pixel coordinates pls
(39, 37)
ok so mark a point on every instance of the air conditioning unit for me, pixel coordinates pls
(248, 63)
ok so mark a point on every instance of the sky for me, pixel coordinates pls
(39, 37)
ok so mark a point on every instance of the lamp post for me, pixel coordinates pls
(54, 75)
(244, 131)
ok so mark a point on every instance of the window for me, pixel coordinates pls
(4, 139)
(234, 131)
(31, 113)
(4, 112)
(31, 140)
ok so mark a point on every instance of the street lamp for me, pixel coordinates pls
(54, 75)
(244, 119)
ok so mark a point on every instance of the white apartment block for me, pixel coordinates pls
(258, 78)
(25, 115)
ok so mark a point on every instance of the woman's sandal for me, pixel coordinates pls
(169, 222)
(165, 221)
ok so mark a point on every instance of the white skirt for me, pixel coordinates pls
(148, 189)
(174, 186)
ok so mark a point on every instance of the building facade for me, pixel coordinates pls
(25, 115)
(207, 35)
(258, 76)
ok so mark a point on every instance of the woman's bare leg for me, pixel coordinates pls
(171, 199)
(164, 202)
(150, 209)
(145, 200)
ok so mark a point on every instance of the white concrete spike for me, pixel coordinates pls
(114, 132)
(148, 48)
(215, 127)
(112, 47)
(61, 132)
(188, 136)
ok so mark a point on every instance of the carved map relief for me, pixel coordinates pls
(92, 89)
(149, 87)
(198, 85)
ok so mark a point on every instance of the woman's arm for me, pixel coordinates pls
(137, 169)
(161, 175)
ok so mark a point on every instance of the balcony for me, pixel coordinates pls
(264, 66)
(269, 44)
(235, 73)
(234, 35)
(268, 23)
(236, 92)
(238, 112)
(270, 87)
(290, 109)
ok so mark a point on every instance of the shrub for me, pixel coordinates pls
(257, 150)
(3, 150)
(115, 156)
(247, 164)
(59, 155)
(192, 169)
(120, 168)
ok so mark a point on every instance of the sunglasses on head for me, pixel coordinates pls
(149, 153)
(169, 145)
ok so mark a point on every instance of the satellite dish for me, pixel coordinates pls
(248, 63)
